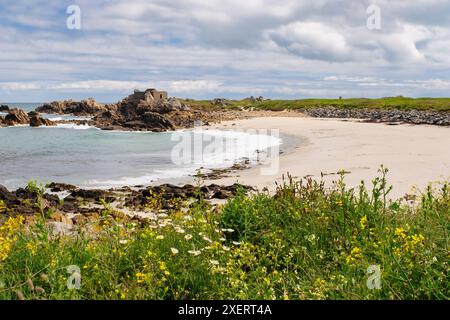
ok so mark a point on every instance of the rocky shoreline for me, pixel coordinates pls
(66, 206)
(153, 110)
(131, 114)
(384, 116)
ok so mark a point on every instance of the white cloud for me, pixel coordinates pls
(232, 48)
(194, 85)
(18, 86)
(311, 40)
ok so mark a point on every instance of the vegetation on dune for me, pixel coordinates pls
(394, 103)
(308, 241)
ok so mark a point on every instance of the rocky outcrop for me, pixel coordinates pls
(60, 187)
(255, 99)
(56, 107)
(83, 108)
(387, 116)
(157, 121)
(20, 117)
(36, 120)
(168, 192)
(16, 116)
(4, 108)
(163, 107)
(135, 113)
(88, 202)
(220, 102)
(23, 201)
(140, 111)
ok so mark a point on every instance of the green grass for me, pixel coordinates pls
(398, 103)
(308, 241)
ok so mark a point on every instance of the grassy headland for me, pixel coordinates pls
(389, 103)
(306, 242)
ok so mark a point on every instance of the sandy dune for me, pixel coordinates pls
(415, 155)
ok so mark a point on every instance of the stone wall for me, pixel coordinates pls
(159, 95)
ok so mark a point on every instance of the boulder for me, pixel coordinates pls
(161, 106)
(135, 125)
(5, 195)
(220, 102)
(58, 229)
(157, 121)
(16, 116)
(222, 195)
(36, 120)
(108, 115)
(4, 108)
(57, 107)
(84, 107)
(60, 187)
(92, 195)
(61, 217)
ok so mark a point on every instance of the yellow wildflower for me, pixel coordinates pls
(8, 235)
(413, 242)
(140, 277)
(363, 222)
(400, 232)
(162, 265)
(32, 247)
(355, 254)
(319, 282)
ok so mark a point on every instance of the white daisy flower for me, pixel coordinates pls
(194, 252)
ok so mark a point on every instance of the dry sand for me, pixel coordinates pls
(415, 155)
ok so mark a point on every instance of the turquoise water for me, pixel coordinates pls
(92, 158)
(87, 157)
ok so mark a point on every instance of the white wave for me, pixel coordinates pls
(244, 146)
(73, 126)
(59, 117)
(55, 118)
(123, 181)
(228, 147)
(18, 126)
(141, 180)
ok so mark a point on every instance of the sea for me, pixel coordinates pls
(91, 158)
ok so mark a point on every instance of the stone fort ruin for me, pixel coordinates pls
(150, 95)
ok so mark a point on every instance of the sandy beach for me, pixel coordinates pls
(415, 155)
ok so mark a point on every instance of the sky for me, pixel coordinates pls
(204, 49)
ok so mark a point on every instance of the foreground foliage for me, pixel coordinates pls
(306, 242)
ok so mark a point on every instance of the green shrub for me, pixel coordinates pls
(308, 241)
